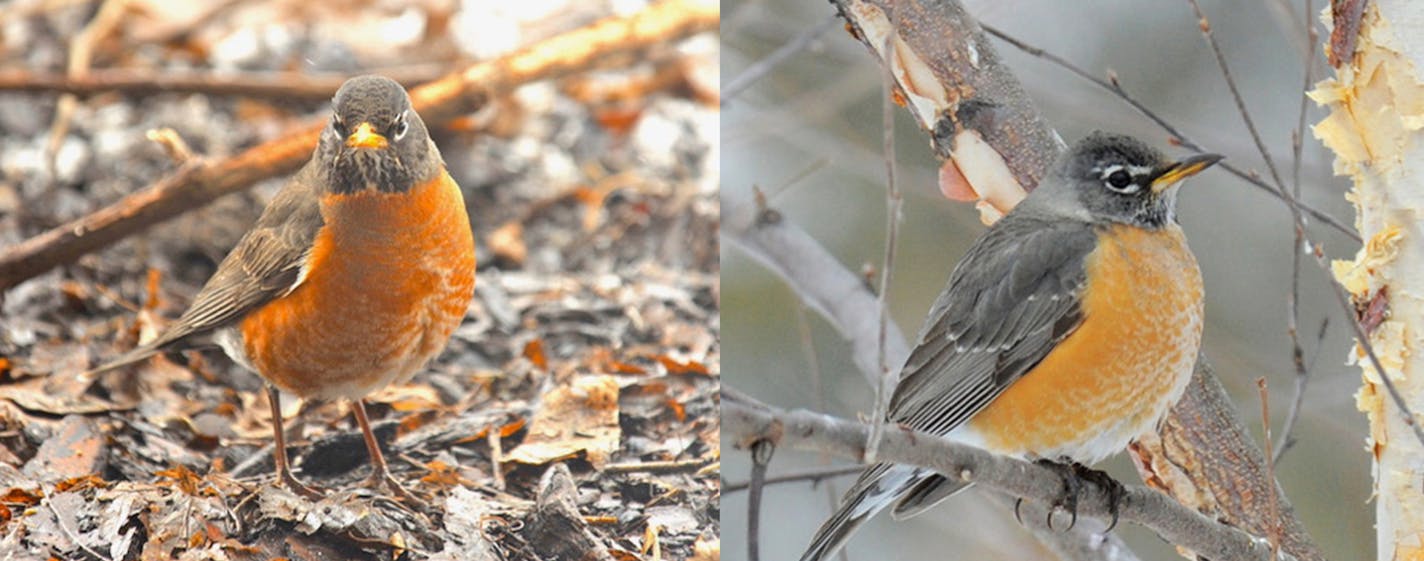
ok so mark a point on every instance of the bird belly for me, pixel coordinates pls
(389, 279)
(1116, 375)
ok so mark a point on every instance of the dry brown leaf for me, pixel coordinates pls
(578, 418)
(409, 398)
(601, 359)
(22, 497)
(505, 431)
(675, 366)
(507, 242)
(534, 351)
(706, 549)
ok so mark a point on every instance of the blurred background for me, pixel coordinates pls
(809, 135)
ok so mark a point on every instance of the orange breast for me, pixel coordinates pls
(1116, 375)
(388, 280)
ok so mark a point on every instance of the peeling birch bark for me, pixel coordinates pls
(1376, 104)
(952, 81)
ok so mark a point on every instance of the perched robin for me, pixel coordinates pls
(1069, 328)
(353, 277)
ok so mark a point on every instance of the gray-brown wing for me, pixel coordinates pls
(1016, 294)
(266, 263)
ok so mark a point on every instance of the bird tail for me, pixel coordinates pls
(925, 494)
(878, 487)
(134, 356)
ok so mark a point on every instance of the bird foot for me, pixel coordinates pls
(382, 479)
(1074, 475)
(286, 479)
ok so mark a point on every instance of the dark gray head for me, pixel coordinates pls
(1109, 178)
(375, 140)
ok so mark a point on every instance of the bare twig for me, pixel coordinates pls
(81, 55)
(1286, 440)
(69, 533)
(1113, 86)
(812, 476)
(496, 459)
(1298, 246)
(663, 466)
(762, 451)
(1210, 38)
(437, 102)
(755, 72)
(893, 201)
(749, 421)
(172, 143)
(1275, 528)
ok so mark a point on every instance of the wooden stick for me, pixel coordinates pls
(284, 85)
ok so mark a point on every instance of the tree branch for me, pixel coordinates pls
(439, 101)
(746, 421)
(284, 85)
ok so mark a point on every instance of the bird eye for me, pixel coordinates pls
(338, 125)
(400, 127)
(1120, 181)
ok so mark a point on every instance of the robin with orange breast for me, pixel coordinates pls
(354, 276)
(1069, 328)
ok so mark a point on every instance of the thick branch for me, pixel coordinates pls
(1183, 459)
(955, 85)
(745, 420)
(439, 101)
(285, 85)
(818, 278)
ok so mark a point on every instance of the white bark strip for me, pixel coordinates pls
(1376, 104)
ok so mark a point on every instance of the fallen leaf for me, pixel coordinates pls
(534, 351)
(706, 549)
(507, 242)
(675, 366)
(578, 418)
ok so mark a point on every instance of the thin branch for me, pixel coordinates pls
(1298, 246)
(762, 451)
(893, 201)
(1293, 414)
(1205, 27)
(812, 476)
(81, 55)
(1114, 87)
(746, 420)
(1275, 527)
(755, 72)
(439, 101)
(59, 521)
(816, 277)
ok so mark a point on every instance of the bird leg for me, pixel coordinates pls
(1074, 475)
(279, 450)
(380, 474)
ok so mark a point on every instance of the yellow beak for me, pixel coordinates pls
(1183, 169)
(366, 137)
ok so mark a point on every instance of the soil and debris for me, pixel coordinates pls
(572, 416)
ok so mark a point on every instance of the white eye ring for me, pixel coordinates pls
(1113, 178)
(402, 126)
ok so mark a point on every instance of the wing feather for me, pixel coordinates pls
(266, 263)
(1016, 294)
